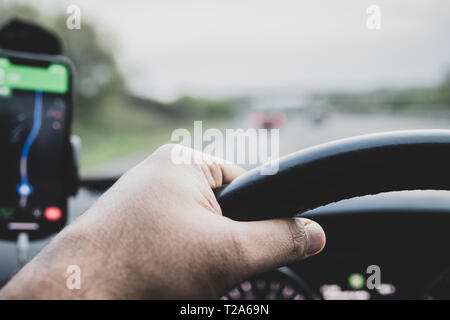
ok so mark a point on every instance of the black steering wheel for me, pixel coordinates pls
(364, 165)
(408, 242)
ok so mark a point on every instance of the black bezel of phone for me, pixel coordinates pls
(48, 228)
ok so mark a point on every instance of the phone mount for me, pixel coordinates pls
(17, 35)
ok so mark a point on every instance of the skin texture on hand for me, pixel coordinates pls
(159, 233)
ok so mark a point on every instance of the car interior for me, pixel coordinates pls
(364, 137)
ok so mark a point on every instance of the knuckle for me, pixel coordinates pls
(166, 153)
(297, 235)
(165, 149)
(217, 174)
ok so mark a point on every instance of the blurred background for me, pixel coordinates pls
(311, 68)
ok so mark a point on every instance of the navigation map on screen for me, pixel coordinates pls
(33, 136)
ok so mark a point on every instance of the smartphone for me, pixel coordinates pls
(36, 101)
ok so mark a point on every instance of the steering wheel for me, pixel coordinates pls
(311, 179)
(363, 165)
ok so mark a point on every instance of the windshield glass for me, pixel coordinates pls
(316, 70)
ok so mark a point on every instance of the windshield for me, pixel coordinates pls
(315, 70)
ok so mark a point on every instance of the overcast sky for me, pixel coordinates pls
(231, 47)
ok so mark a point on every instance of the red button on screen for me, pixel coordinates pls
(53, 213)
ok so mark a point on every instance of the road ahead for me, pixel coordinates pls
(301, 131)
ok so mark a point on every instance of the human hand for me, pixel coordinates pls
(159, 233)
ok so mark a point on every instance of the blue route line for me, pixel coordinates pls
(24, 188)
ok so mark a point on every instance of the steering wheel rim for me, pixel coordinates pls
(338, 170)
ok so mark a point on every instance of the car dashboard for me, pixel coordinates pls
(397, 238)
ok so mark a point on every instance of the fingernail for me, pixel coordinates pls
(316, 238)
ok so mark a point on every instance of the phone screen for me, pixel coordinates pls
(35, 115)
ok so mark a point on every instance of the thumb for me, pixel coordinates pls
(266, 245)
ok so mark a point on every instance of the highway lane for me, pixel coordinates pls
(301, 131)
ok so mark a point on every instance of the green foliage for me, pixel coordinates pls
(444, 90)
(419, 99)
(204, 107)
